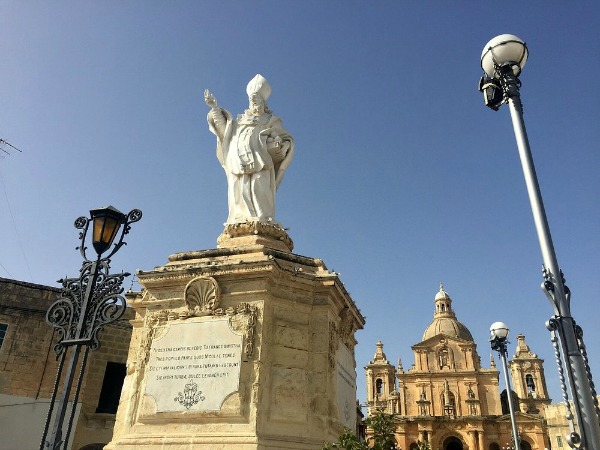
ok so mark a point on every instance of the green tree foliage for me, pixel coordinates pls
(383, 430)
(382, 437)
(347, 441)
(423, 445)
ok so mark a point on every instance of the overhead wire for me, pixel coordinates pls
(13, 222)
(6, 270)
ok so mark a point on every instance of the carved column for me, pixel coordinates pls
(472, 439)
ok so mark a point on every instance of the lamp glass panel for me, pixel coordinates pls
(499, 330)
(504, 48)
(98, 228)
(106, 226)
(111, 226)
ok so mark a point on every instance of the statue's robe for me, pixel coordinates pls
(251, 172)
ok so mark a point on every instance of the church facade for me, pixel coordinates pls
(449, 400)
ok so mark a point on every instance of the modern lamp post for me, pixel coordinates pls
(499, 333)
(85, 305)
(502, 60)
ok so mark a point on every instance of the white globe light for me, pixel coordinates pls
(506, 48)
(499, 330)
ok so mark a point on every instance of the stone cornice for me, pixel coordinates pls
(252, 260)
(29, 285)
(446, 374)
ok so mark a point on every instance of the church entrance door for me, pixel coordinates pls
(452, 443)
(525, 445)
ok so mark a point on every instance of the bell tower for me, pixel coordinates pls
(381, 383)
(527, 371)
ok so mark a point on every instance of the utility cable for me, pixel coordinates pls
(6, 270)
(15, 227)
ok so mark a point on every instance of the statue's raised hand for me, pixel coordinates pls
(210, 99)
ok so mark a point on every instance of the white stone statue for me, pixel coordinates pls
(255, 150)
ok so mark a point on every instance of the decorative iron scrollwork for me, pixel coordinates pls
(84, 306)
(78, 321)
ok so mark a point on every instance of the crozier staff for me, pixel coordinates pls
(254, 150)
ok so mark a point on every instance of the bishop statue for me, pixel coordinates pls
(254, 150)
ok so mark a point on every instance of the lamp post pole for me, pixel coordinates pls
(502, 60)
(499, 333)
(85, 305)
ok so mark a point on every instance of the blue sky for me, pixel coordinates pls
(402, 178)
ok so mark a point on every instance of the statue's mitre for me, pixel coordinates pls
(259, 85)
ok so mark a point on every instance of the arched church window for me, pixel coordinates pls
(504, 401)
(379, 386)
(530, 383)
(444, 357)
(470, 392)
(451, 401)
(449, 404)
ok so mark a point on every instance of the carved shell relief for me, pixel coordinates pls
(202, 296)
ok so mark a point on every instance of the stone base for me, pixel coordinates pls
(269, 234)
(248, 347)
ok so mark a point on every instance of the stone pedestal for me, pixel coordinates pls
(246, 346)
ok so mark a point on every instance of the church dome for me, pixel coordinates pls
(444, 320)
(442, 294)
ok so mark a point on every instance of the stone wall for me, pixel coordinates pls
(27, 362)
(28, 368)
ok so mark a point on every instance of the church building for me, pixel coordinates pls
(449, 400)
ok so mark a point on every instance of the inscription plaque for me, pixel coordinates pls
(194, 366)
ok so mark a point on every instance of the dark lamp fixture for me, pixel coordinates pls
(493, 95)
(503, 50)
(107, 222)
(499, 330)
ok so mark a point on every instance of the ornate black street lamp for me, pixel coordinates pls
(498, 340)
(85, 305)
(502, 60)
